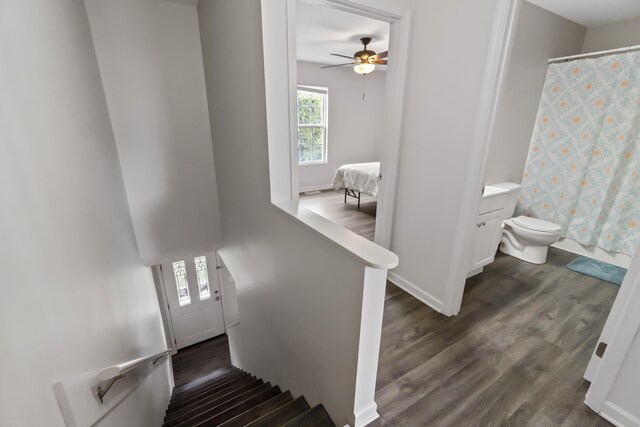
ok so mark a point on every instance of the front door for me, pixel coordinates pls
(193, 294)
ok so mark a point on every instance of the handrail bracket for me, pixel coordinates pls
(101, 392)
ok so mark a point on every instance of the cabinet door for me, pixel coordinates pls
(488, 232)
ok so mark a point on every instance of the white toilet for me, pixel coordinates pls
(528, 238)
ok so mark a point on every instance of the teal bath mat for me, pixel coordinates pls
(598, 269)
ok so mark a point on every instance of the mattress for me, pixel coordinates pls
(362, 177)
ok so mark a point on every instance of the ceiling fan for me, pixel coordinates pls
(364, 61)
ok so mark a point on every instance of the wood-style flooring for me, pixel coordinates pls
(330, 204)
(199, 360)
(515, 355)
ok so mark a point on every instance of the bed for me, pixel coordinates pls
(357, 178)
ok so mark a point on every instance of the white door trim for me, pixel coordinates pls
(164, 308)
(278, 21)
(498, 58)
(620, 331)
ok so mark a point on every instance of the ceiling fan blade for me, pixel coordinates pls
(380, 55)
(342, 56)
(380, 62)
(338, 65)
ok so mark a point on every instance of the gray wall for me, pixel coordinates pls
(76, 297)
(612, 36)
(158, 109)
(540, 35)
(354, 123)
(299, 295)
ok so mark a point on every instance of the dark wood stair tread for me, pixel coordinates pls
(259, 411)
(213, 376)
(227, 379)
(211, 401)
(315, 417)
(188, 399)
(283, 414)
(216, 411)
(240, 408)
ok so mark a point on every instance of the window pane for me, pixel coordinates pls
(304, 115)
(203, 277)
(180, 274)
(311, 126)
(316, 113)
(318, 145)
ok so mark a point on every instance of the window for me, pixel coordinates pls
(203, 277)
(312, 125)
(180, 273)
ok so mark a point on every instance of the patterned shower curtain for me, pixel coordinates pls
(583, 168)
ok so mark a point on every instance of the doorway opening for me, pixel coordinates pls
(341, 65)
(198, 302)
(305, 151)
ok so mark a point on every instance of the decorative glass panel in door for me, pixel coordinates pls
(194, 299)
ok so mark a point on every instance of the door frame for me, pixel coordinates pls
(620, 331)
(279, 48)
(498, 60)
(163, 299)
(164, 308)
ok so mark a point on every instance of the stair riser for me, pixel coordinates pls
(180, 401)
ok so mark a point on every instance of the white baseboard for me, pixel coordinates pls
(315, 188)
(366, 416)
(415, 291)
(618, 416)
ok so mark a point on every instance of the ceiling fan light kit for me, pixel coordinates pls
(364, 68)
(364, 61)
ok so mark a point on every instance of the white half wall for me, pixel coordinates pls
(151, 65)
(612, 36)
(355, 124)
(540, 35)
(76, 296)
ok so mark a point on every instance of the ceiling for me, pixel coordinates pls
(322, 30)
(591, 13)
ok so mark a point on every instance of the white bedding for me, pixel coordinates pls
(362, 177)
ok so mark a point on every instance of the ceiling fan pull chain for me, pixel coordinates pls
(364, 87)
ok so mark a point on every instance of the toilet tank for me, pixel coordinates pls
(513, 191)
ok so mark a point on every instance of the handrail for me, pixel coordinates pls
(116, 372)
(122, 368)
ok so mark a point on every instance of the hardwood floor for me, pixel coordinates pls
(199, 360)
(330, 204)
(515, 355)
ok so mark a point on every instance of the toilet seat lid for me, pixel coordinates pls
(536, 224)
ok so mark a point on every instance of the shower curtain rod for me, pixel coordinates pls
(594, 54)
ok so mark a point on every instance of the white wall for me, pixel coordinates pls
(299, 295)
(612, 36)
(540, 35)
(151, 64)
(75, 295)
(354, 123)
(441, 105)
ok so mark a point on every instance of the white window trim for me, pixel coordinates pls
(325, 125)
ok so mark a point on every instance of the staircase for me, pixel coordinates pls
(233, 398)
